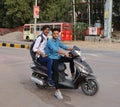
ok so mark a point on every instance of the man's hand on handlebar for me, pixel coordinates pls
(67, 54)
(70, 49)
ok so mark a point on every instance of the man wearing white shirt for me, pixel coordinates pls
(39, 48)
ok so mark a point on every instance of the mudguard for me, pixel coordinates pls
(90, 77)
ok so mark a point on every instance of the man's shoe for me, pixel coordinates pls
(58, 95)
(50, 83)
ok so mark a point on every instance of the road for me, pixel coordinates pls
(17, 90)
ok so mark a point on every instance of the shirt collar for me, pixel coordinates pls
(55, 40)
(44, 36)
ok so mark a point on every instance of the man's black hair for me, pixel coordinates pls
(55, 29)
(45, 27)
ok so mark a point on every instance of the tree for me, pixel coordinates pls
(116, 14)
(55, 10)
(17, 13)
(2, 12)
(80, 30)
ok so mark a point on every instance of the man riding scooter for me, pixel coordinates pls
(54, 52)
(83, 75)
(39, 49)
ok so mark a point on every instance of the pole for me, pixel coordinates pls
(74, 18)
(89, 13)
(110, 20)
(35, 22)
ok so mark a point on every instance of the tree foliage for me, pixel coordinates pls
(55, 10)
(79, 30)
(116, 14)
(15, 13)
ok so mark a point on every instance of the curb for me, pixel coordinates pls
(14, 45)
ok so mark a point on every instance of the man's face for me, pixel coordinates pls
(46, 31)
(55, 34)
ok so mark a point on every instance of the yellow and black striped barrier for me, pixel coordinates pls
(16, 45)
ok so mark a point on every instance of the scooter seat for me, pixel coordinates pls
(41, 66)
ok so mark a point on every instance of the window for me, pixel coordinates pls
(27, 28)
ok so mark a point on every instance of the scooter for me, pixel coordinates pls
(83, 74)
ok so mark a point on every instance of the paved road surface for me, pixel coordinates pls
(17, 90)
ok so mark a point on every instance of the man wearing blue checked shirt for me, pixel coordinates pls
(53, 51)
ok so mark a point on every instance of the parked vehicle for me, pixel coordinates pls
(65, 30)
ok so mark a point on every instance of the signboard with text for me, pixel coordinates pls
(36, 11)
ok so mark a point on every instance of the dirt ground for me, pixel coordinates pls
(14, 36)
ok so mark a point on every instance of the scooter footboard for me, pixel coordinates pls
(61, 76)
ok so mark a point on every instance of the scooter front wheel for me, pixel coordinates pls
(90, 87)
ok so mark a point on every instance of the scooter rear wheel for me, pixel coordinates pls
(90, 87)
